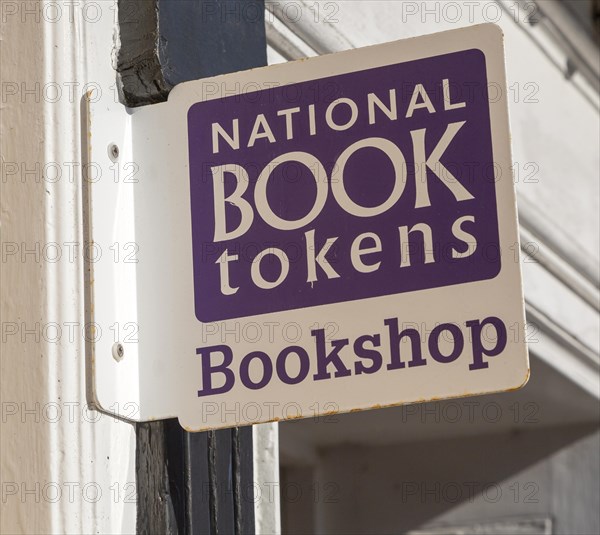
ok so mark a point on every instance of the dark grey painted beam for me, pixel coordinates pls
(166, 42)
(189, 482)
(219, 37)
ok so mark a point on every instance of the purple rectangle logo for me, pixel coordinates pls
(353, 186)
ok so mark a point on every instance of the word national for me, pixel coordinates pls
(292, 119)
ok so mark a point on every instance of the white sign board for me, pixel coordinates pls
(327, 235)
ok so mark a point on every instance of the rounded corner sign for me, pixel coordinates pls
(353, 229)
(366, 186)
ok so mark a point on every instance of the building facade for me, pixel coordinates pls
(517, 462)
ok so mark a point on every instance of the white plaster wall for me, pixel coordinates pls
(393, 489)
(64, 469)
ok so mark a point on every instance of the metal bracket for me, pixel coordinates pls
(110, 178)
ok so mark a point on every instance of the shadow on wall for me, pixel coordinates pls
(548, 473)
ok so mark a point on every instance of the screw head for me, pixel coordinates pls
(118, 351)
(113, 152)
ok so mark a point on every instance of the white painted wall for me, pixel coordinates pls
(64, 469)
(397, 488)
